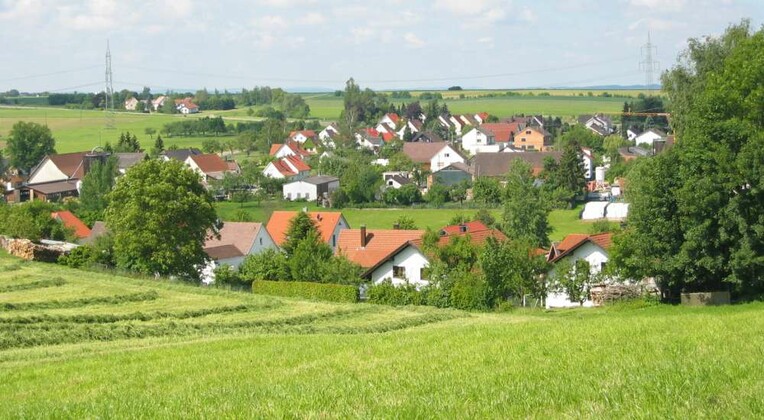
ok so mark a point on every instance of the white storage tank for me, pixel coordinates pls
(599, 174)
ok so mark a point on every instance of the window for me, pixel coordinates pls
(334, 241)
(528, 132)
(399, 272)
(261, 241)
(602, 266)
(422, 275)
(446, 155)
(523, 140)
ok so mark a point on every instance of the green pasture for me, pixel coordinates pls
(180, 351)
(563, 222)
(79, 130)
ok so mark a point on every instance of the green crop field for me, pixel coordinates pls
(563, 222)
(76, 130)
(77, 344)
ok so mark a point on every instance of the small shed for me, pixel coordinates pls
(617, 211)
(311, 188)
(594, 210)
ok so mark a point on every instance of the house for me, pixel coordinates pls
(291, 167)
(479, 140)
(457, 123)
(180, 154)
(158, 102)
(131, 103)
(599, 124)
(98, 230)
(481, 117)
(452, 174)
(328, 133)
(290, 148)
(496, 165)
(311, 188)
(396, 179)
(369, 139)
(209, 166)
(587, 156)
(383, 254)
(328, 223)
(70, 221)
(407, 263)
(414, 126)
(302, 136)
(426, 137)
(432, 156)
(592, 248)
(504, 132)
(127, 160)
(631, 134)
(390, 119)
(649, 137)
(532, 138)
(445, 121)
(236, 240)
(186, 106)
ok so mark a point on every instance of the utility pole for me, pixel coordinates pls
(648, 64)
(109, 90)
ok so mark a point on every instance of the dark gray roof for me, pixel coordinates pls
(54, 187)
(320, 179)
(127, 160)
(181, 154)
(99, 229)
(497, 164)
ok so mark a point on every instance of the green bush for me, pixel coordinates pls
(469, 292)
(318, 291)
(386, 293)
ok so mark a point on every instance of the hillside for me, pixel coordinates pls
(80, 344)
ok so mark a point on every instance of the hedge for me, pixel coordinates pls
(308, 290)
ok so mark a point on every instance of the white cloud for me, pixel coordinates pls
(175, 9)
(528, 15)
(270, 22)
(661, 5)
(312, 18)
(413, 41)
(475, 11)
(361, 35)
(287, 3)
(21, 9)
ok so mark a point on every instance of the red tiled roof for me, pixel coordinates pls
(470, 227)
(388, 137)
(502, 131)
(210, 163)
(380, 243)
(279, 223)
(422, 152)
(372, 132)
(307, 133)
(483, 116)
(234, 236)
(476, 230)
(298, 163)
(575, 240)
(283, 168)
(275, 148)
(394, 117)
(71, 221)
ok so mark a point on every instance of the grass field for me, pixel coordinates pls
(176, 351)
(563, 222)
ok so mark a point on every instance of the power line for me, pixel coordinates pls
(55, 73)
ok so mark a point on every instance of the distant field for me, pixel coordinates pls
(76, 130)
(105, 346)
(563, 222)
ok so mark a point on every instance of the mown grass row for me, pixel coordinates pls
(41, 284)
(74, 303)
(19, 335)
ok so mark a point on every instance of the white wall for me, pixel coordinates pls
(590, 252)
(283, 152)
(475, 141)
(47, 172)
(271, 172)
(647, 138)
(299, 190)
(262, 242)
(341, 224)
(443, 158)
(411, 259)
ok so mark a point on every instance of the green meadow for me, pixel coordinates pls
(77, 344)
(562, 222)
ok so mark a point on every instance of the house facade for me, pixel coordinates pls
(479, 140)
(532, 138)
(593, 249)
(289, 167)
(236, 241)
(328, 223)
(649, 137)
(432, 156)
(311, 188)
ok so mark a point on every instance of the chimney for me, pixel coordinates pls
(363, 236)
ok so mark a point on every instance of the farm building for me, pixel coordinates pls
(311, 188)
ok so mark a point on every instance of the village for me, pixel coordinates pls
(414, 163)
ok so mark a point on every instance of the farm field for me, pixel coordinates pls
(76, 130)
(98, 345)
(563, 222)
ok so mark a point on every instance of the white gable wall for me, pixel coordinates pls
(271, 172)
(647, 137)
(47, 172)
(443, 158)
(475, 141)
(411, 259)
(596, 257)
(300, 190)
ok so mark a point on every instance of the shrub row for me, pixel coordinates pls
(73, 303)
(58, 281)
(307, 290)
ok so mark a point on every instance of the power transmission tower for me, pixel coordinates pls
(648, 64)
(109, 105)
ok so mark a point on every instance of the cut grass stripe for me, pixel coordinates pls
(58, 281)
(74, 303)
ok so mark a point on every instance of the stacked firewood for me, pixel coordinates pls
(28, 250)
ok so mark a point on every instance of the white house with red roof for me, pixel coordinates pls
(289, 167)
(329, 224)
(592, 248)
(236, 240)
(432, 156)
(210, 166)
(186, 106)
(302, 136)
(290, 148)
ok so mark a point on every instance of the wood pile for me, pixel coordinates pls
(617, 292)
(28, 250)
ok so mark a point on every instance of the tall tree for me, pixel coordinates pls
(28, 143)
(96, 184)
(299, 228)
(525, 208)
(160, 216)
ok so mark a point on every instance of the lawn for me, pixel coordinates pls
(563, 222)
(182, 351)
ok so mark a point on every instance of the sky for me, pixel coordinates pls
(60, 46)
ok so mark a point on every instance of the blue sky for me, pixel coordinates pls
(189, 44)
